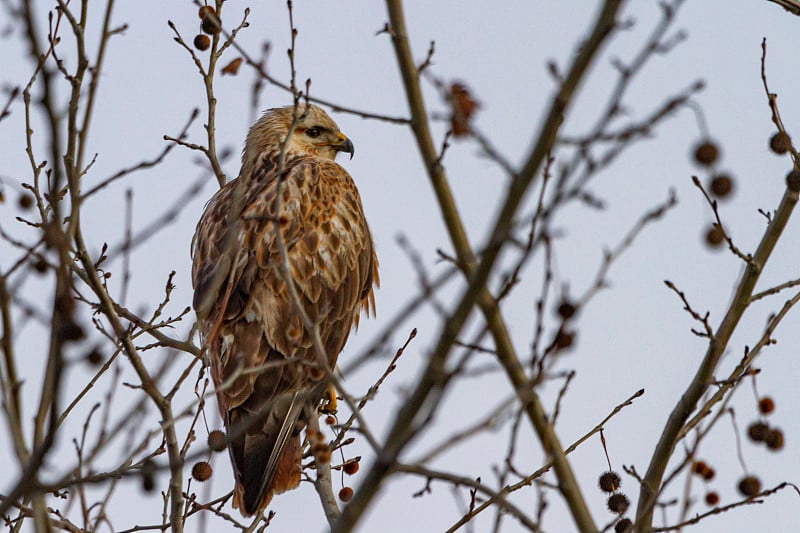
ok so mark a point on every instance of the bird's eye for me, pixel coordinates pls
(313, 132)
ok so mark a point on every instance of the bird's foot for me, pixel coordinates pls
(329, 405)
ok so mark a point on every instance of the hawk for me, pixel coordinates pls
(266, 370)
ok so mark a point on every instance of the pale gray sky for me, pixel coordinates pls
(633, 336)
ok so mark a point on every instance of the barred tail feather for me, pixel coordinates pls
(267, 459)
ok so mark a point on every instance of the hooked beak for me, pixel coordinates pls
(345, 145)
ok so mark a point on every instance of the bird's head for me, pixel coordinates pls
(314, 134)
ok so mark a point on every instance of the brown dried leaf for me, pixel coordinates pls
(233, 67)
(463, 106)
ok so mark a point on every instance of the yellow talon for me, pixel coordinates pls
(329, 407)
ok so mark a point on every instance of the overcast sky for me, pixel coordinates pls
(634, 335)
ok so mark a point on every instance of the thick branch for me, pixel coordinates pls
(477, 273)
(704, 376)
(673, 430)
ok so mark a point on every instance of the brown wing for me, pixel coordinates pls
(262, 360)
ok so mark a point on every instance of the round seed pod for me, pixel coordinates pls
(25, 201)
(217, 440)
(205, 11)
(780, 143)
(350, 468)
(202, 42)
(749, 486)
(774, 439)
(714, 236)
(721, 185)
(566, 309)
(94, 357)
(210, 26)
(757, 431)
(618, 503)
(706, 153)
(201, 471)
(623, 526)
(609, 481)
(702, 469)
(793, 181)
(766, 405)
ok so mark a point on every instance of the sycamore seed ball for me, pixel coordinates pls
(706, 153)
(609, 481)
(25, 201)
(774, 439)
(205, 11)
(202, 42)
(793, 180)
(623, 526)
(780, 143)
(350, 468)
(712, 499)
(749, 486)
(217, 440)
(757, 431)
(346, 494)
(618, 503)
(210, 26)
(721, 186)
(201, 471)
(766, 405)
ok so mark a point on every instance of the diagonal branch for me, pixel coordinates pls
(792, 6)
(703, 378)
(430, 385)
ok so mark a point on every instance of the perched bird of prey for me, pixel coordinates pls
(265, 367)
